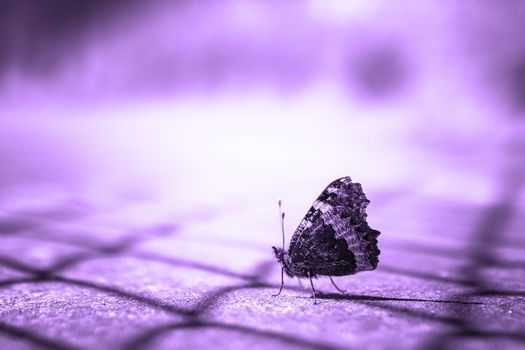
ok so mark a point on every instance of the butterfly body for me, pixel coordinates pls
(334, 238)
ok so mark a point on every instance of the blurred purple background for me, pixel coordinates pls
(216, 101)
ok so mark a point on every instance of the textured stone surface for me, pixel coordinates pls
(95, 276)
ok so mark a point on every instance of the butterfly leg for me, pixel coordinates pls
(335, 285)
(313, 289)
(282, 282)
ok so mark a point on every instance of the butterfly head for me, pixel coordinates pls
(279, 254)
(284, 259)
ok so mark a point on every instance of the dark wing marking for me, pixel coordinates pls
(323, 254)
(341, 206)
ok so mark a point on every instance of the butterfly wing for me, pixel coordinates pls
(334, 238)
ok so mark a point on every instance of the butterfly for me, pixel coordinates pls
(333, 239)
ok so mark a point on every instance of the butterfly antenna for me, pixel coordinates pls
(281, 214)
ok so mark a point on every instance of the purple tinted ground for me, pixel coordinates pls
(78, 274)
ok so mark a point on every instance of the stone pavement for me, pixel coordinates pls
(82, 271)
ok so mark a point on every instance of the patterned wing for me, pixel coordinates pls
(334, 237)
